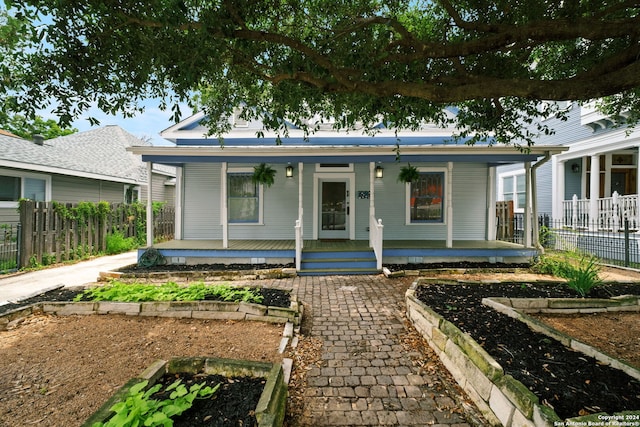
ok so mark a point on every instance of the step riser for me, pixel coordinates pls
(325, 263)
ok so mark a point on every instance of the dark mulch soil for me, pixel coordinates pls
(232, 405)
(497, 266)
(569, 382)
(136, 268)
(271, 297)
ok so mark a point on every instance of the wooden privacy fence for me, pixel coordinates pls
(53, 232)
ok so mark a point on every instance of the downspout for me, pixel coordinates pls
(534, 201)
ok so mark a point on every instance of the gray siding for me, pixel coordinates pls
(201, 203)
(202, 211)
(160, 191)
(9, 216)
(69, 189)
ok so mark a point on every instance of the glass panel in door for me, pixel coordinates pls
(334, 210)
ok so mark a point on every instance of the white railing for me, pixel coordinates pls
(299, 245)
(610, 215)
(375, 239)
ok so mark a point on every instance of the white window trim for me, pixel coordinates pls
(511, 174)
(136, 189)
(22, 175)
(260, 201)
(407, 201)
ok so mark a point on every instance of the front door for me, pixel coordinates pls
(334, 209)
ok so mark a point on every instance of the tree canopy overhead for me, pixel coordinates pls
(362, 61)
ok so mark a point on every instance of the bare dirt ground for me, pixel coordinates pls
(56, 371)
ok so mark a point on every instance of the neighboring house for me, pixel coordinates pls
(334, 191)
(568, 192)
(87, 166)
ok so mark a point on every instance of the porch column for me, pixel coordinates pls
(224, 209)
(300, 199)
(177, 232)
(372, 177)
(449, 204)
(491, 204)
(557, 211)
(149, 204)
(527, 206)
(594, 192)
(638, 191)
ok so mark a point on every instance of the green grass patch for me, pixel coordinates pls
(170, 291)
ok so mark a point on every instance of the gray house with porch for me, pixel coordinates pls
(336, 205)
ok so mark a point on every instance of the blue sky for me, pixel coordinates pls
(146, 125)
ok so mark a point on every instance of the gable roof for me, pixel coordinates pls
(98, 153)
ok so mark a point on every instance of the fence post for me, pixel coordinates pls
(574, 211)
(26, 219)
(616, 212)
(626, 242)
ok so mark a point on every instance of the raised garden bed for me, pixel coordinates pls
(516, 376)
(229, 405)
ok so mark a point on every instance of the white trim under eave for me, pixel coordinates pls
(67, 172)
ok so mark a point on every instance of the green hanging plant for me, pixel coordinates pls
(408, 173)
(264, 174)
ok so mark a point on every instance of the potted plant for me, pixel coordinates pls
(264, 174)
(408, 173)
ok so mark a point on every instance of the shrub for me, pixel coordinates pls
(116, 243)
(581, 270)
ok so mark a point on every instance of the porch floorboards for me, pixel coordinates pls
(271, 245)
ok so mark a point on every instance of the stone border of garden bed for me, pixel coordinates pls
(501, 399)
(214, 310)
(204, 275)
(271, 407)
(518, 308)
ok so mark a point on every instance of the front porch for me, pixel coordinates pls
(602, 214)
(393, 251)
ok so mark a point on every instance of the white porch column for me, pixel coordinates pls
(300, 199)
(177, 233)
(372, 177)
(449, 199)
(594, 192)
(491, 204)
(149, 204)
(638, 190)
(558, 193)
(224, 218)
(527, 206)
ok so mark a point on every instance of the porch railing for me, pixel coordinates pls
(610, 215)
(375, 239)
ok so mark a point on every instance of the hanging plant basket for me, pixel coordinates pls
(408, 173)
(264, 174)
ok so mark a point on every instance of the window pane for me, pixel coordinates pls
(426, 198)
(9, 189)
(522, 198)
(520, 182)
(243, 198)
(508, 185)
(34, 189)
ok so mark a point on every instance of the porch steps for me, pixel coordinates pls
(319, 262)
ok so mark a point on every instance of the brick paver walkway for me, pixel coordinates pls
(368, 376)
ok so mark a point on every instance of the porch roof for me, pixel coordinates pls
(493, 155)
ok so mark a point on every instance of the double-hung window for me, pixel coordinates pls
(426, 198)
(15, 186)
(243, 198)
(514, 189)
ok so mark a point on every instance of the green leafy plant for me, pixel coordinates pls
(408, 173)
(263, 174)
(139, 409)
(581, 270)
(116, 243)
(170, 291)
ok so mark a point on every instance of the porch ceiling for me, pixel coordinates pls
(352, 154)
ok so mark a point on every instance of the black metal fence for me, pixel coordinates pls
(9, 247)
(615, 247)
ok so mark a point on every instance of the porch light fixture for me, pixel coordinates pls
(575, 168)
(289, 171)
(379, 171)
